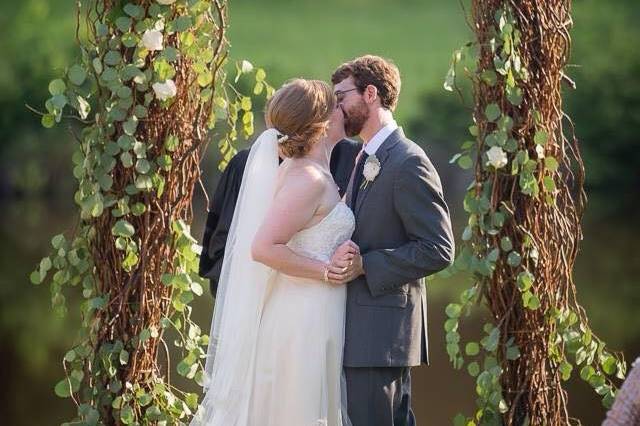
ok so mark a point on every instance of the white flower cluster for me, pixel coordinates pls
(165, 90)
(497, 157)
(153, 40)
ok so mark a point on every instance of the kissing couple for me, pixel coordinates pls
(316, 247)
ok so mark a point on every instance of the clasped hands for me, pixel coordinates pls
(346, 264)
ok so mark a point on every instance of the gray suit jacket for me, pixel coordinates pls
(404, 233)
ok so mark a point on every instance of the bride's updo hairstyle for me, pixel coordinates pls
(300, 111)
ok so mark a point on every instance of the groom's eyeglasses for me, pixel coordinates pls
(340, 94)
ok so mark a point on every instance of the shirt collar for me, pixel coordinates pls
(372, 146)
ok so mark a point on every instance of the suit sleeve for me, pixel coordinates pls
(219, 221)
(419, 202)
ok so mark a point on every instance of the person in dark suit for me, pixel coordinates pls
(225, 197)
(403, 233)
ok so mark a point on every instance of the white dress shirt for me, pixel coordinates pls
(374, 143)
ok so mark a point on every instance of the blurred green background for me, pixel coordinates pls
(309, 39)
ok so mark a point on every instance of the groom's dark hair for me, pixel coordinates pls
(374, 70)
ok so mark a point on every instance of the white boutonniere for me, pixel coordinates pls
(371, 170)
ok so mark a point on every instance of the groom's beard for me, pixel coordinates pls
(355, 118)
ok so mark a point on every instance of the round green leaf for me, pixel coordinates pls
(533, 303)
(112, 148)
(124, 92)
(130, 125)
(514, 96)
(492, 112)
(77, 75)
(126, 415)
(63, 389)
(525, 280)
(48, 121)
(57, 87)
(105, 181)
(551, 163)
(609, 365)
(465, 162)
(453, 310)
(183, 23)
(126, 159)
(123, 23)
(473, 369)
(140, 149)
(171, 143)
(514, 259)
(143, 166)
(140, 111)
(58, 101)
(540, 137)
(35, 277)
(133, 10)
(505, 244)
(113, 57)
(122, 228)
(138, 208)
(472, 348)
(130, 39)
(451, 325)
(565, 370)
(143, 182)
(513, 353)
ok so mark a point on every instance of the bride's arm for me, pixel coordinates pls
(293, 207)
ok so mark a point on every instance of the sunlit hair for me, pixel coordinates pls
(300, 109)
(372, 70)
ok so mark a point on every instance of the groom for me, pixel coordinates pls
(403, 233)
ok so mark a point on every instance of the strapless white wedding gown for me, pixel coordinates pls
(298, 365)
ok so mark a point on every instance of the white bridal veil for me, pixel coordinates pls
(238, 307)
(242, 292)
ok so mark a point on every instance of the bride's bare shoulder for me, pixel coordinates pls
(301, 174)
(302, 169)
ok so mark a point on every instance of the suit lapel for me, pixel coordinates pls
(382, 153)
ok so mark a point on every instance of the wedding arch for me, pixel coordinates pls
(524, 210)
(147, 94)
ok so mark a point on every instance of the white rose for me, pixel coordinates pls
(152, 40)
(166, 1)
(246, 67)
(497, 157)
(165, 90)
(371, 168)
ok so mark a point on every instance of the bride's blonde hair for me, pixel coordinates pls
(300, 110)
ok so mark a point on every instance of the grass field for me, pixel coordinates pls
(310, 39)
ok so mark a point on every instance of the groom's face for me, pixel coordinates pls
(354, 108)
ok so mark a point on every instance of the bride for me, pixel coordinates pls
(276, 343)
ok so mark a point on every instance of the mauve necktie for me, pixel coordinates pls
(357, 179)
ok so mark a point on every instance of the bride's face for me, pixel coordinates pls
(335, 130)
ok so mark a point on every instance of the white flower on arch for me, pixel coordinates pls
(165, 90)
(152, 40)
(497, 157)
